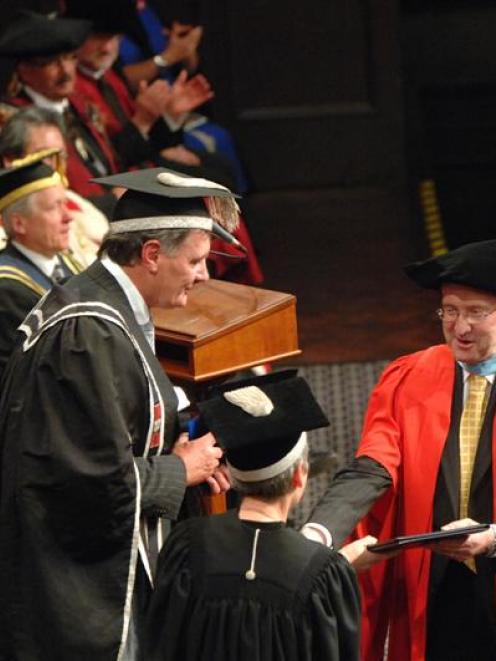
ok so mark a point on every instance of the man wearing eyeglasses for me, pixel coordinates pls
(425, 461)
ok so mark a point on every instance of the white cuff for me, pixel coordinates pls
(174, 124)
(492, 549)
(317, 533)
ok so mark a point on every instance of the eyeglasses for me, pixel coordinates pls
(472, 317)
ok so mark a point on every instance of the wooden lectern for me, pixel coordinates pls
(225, 327)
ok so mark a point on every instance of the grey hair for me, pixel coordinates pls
(14, 135)
(274, 487)
(24, 206)
(125, 248)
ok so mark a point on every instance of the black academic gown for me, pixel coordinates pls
(302, 605)
(75, 488)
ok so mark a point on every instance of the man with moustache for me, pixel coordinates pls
(45, 50)
(426, 460)
(36, 220)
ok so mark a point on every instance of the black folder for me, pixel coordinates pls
(411, 541)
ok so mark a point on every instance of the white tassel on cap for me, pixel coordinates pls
(224, 210)
(251, 399)
(171, 179)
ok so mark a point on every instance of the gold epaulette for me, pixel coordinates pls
(72, 264)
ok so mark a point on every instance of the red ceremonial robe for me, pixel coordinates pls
(87, 87)
(405, 430)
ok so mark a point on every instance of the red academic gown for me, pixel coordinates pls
(86, 86)
(405, 430)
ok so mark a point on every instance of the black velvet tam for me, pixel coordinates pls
(472, 265)
(254, 442)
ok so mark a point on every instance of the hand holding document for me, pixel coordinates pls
(423, 539)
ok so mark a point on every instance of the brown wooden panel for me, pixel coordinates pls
(313, 61)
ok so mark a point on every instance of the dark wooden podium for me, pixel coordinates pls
(225, 327)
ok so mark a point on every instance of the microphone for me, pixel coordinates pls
(227, 236)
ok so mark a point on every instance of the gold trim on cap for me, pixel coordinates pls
(32, 187)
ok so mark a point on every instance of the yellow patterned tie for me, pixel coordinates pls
(470, 429)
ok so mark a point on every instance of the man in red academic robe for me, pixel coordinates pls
(46, 65)
(435, 602)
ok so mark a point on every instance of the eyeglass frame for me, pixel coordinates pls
(480, 315)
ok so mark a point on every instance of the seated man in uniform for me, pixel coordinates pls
(35, 129)
(36, 221)
(242, 585)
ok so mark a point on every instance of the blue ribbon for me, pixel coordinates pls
(484, 368)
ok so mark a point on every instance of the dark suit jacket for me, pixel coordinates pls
(22, 284)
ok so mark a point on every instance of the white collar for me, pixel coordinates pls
(44, 263)
(91, 73)
(136, 301)
(42, 102)
(140, 310)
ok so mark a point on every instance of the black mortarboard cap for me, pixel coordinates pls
(31, 35)
(261, 446)
(158, 198)
(27, 175)
(472, 265)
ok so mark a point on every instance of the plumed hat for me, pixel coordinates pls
(158, 198)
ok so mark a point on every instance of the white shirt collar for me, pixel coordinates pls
(140, 310)
(136, 301)
(44, 263)
(91, 73)
(42, 102)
